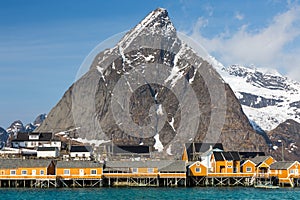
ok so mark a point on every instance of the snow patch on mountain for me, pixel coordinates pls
(267, 97)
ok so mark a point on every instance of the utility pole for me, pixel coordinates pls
(282, 155)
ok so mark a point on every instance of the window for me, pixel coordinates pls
(12, 172)
(83, 155)
(93, 171)
(249, 169)
(66, 172)
(150, 170)
(229, 166)
(24, 172)
(42, 172)
(76, 155)
(292, 171)
(134, 170)
(198, 170)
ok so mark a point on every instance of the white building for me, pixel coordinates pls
(34, 140)
(81, 152)
(47, 152)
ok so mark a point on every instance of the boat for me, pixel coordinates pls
(266, 186)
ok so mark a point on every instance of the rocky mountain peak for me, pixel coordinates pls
(153, 89)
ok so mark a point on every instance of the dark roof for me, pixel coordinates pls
(218, 156)
(47, 148)
(192, 148)
(247, 155)
(227, 155)
(128, 149)
(235, 155)
(282, 165)
(78, 164)
(17, 163)
(81, 149)
(42, 137)
(230, 155)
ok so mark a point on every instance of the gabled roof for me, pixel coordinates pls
(229, 156)
(201, 148)
(218, 156)
(282, 165)
(78, 164)
(259, 159)
(18, 163)
(81, 149)
(245, 161)
(235, 155)
(194, 163)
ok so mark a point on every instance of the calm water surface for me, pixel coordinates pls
(151, 193)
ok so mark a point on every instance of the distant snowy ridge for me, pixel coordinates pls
(267, 97)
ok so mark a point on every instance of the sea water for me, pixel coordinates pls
(145, 193)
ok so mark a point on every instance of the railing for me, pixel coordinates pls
(130, 175)
(27, 177)
(230, 174)
(98, 176)
(172, 175)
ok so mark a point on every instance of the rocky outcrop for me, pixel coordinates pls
(288, 134)
(152, 88)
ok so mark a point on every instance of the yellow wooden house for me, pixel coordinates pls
(225, 162)
(79, 170)
(26, 169)
(262, 165)
(247, 166)
(197, 169)
(286, 171)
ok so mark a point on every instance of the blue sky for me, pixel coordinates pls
(43, 43)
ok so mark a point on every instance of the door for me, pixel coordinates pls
(81, 172)
(33, 172)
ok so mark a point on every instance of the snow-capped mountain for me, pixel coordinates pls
(155, 68)
(267, 97)
(17, 126)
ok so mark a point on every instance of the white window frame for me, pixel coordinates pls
(66, 170)
(198, 170)
(93, 170)
(42, 172)
(13, 172)
(150, 170)
(24, 172)
(135, 170)
(248, 169)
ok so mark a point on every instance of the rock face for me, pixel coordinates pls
(288, 133)
(152, 88)
(3, 137)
